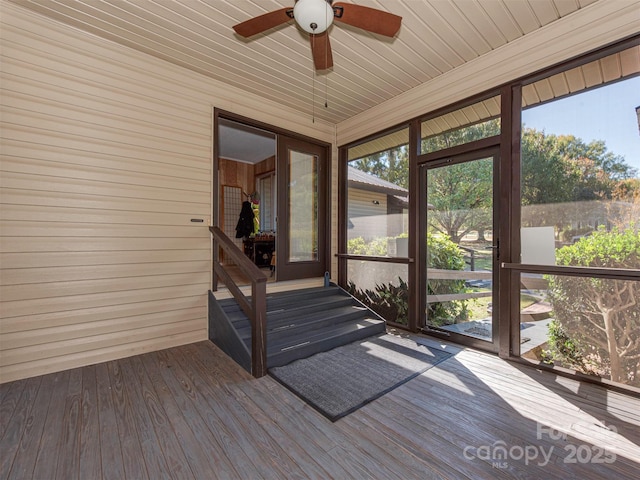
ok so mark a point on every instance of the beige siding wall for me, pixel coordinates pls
(369, 220)
(105, 159)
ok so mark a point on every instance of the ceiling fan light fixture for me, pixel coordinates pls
(313, 16)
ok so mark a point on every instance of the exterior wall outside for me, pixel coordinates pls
(106, 157)
(369, 220)
(398, 218)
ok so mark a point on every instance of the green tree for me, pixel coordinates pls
(460, 136)
(563, 168)
(545, 180)
(391, 165)
(460, 198)
(597, 321)
(557, 170)
(625, 210)
(544, 173)
(612, 166)
(627, 190)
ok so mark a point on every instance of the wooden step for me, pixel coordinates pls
(299, 316)
(287, 317)
(303, 294)
(280, 300)
(298, 329)
(298, 326)
(296, 306)
(322, 340)
(304, 322)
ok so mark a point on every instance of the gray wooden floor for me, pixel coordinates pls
(189, 412)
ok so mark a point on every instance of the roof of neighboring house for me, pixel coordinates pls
(366, 181)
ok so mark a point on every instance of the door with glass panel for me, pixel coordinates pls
(462, 250)
(302, 209)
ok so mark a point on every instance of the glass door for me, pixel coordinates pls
(302, 210)
(462, 250)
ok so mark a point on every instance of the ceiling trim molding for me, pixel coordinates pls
(592, 27)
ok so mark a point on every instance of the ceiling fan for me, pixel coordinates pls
(316, 16)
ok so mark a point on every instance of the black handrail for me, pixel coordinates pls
(576, 271)
(374, 258)
(256, 309)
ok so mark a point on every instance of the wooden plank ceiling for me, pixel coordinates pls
(436, 36)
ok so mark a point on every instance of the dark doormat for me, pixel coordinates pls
(340, 381)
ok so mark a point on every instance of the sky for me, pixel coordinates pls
(607, 114)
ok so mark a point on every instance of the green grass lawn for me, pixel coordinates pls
(478, 307)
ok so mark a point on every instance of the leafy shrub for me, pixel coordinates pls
(562, 346)
(357, 246)
(568, 235)
(389, 301)
(597, 321)
(392, 302)
(376, 247)
(444, 254)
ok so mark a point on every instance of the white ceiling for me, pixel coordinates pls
(243, 143)
(436, 36)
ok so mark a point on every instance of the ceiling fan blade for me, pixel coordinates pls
(369, 19)
(321, 50)
(264, 22)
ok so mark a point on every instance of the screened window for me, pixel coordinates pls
(580, 207)
(474, 122)
(377, 196)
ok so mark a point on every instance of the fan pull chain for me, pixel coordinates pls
(326, 59)
(326, 89)
(313, 84)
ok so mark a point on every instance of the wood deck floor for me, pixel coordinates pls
(189, 412)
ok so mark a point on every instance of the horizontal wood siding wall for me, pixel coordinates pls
(105, 159)
(369, 220)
